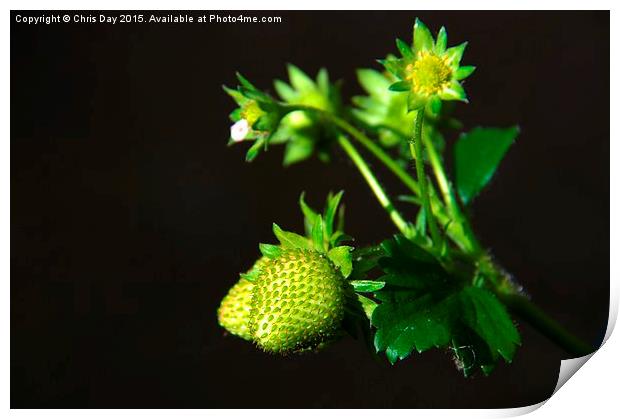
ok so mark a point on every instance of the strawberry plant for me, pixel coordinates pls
(432, 284)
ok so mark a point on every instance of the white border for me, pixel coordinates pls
(595, 389)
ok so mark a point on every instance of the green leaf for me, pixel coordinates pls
(269, 250)
(471, 353)
(366, 285)
(330, 212)
(422, 306)
(317, 234)
(487, 316)
(414, 323)
(422, 37)
(341, 256)
(400, 86)
(290, 240)
(477, 155)
(404, 49)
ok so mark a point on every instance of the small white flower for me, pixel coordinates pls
(239, 130)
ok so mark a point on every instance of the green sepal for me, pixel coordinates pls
(290, 240)
(442, 41)
(455, 54)
(235, 115)
(367, 304)
(420, 222)
(400, 86)
(435, 105)
(245, 82)
(415, 102)
(454, 92)
(286, 92)
(322, 81)
(404, 48)
(341, 257)
(367, 285)
(235, 94)
(329, 214)
(339, 237)
(393, 66)
(412, 199)
(299, 80)
(270, 250)
(310, 215)
(317, 234)
(298, 149)
(422, 37)
(464, 72)
(254, 150)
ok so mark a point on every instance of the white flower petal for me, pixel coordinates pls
(239, 130)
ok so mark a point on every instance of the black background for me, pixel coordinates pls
(130, 217)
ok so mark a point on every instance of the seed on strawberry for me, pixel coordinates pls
(234, 311)
(298, 302)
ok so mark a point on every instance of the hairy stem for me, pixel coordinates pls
(471, 243)
(415, 146)
(531, 313)
(454, 230)
(458, 229)
(374, 184)
(377, 152)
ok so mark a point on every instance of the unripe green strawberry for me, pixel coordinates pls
(234, 311)
(298, 302)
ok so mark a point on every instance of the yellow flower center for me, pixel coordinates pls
(429, 74)
(250, 111)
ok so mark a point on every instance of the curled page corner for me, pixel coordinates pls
(568, 367)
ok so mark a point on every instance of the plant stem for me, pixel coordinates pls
(377, 152)
(531, 313)
(374, 184)
(455, 231)
(415, 146)
(460, 231)
(471, 245)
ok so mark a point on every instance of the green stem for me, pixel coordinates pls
(415, 146)
(374, 184)
(455, 232)
(460, 233)
(377, 152)
(531, 313)
(471, 244)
